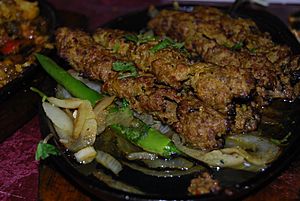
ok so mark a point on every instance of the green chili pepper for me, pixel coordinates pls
(74, 86)
(147, 138)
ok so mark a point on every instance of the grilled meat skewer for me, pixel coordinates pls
(198, 123)
(216, 86)
(226, 41)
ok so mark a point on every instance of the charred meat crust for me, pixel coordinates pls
(226, 41)
(143, 94)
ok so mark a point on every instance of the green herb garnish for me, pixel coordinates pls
(167, 42)
(237, 46)
(44, 150)
(131, 37)
(125, 67)
(253, 50)
(116, 47)
(140, 38)
(125, 103)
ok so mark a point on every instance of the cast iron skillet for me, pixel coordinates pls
(238, 183)
(16, 100)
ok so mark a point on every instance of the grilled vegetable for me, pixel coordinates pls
(147, 138)
(85, 155)
(74, 86)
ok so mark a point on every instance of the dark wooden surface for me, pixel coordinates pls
(54, 186)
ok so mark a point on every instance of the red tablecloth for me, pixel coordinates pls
(18, 168)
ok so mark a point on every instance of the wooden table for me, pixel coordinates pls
(54, 186)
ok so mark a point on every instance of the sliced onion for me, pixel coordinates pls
(168, 173)
(246, 166)
(104, 103)
(214, 158)
(108, 180)
(174, 163)
(59, 118)
(70, 103)
(81, 142)
(86, 155)
(217, 158)
(84, 113)
(141, 156)
(109, 162)
(101, 113)
(259, 150)
(63, 135)
(197, 154)
(127, 147)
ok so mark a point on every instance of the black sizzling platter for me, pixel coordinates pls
(239, 183)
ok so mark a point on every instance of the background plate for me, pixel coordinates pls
(17, 102)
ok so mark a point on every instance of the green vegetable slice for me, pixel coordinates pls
(147, 138)
(74, 86)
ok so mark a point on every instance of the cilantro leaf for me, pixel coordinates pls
(124, 67)
(253, 50)
(167, 42)
(140, 38)
(131, 37)
(237, 46)
(116, 47)
(44, 150)
(125, 103)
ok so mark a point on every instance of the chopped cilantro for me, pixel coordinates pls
(167, 42)
(252, 50)
(131, 37)
(124, 67)
(44, 150)
(116, 47)
(140, 38)
(113, 109)
(125, 103)
(237, 46)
